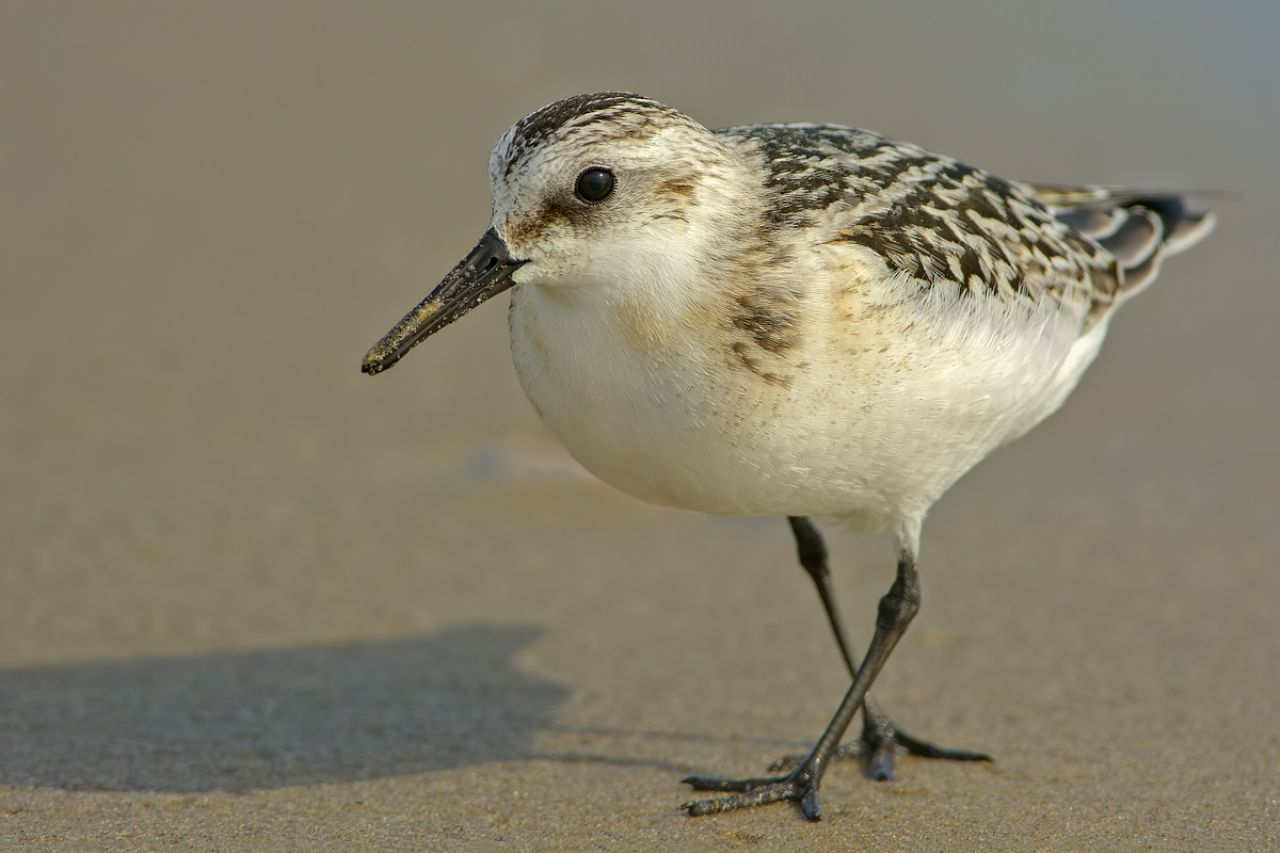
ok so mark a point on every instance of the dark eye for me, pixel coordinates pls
(594, 184)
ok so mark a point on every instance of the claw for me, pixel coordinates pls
(811, 805)
(880, 764)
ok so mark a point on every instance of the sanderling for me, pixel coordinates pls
(792, 320)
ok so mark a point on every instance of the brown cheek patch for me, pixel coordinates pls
(677, 188)
(530, 229)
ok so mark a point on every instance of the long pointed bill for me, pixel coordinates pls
(483, 273)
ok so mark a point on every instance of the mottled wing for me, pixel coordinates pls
(945, 223)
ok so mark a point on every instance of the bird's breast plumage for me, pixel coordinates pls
(855, 407)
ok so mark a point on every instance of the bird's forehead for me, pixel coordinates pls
(573, 126)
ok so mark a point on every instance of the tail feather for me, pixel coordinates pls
(1190, 230)
(1139, 229)
(1137, 239)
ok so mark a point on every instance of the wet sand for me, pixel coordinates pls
(254, 600)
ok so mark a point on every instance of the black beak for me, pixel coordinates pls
(484, 272)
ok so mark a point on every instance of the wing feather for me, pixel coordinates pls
(943, 222)
(933, 218)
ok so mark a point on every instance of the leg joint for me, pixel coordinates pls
(900, 603)
(810, 548)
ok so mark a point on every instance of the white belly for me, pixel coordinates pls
(873, 431)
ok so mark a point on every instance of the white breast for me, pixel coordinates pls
(880, 417)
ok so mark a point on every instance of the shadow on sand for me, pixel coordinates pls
(266, 719)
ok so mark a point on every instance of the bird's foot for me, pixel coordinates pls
(800, 785)
(878, 746)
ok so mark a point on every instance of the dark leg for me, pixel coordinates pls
(879, 733)
(897, 608)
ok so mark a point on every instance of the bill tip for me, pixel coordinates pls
(373, 362)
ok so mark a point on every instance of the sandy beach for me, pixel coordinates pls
(253, 600)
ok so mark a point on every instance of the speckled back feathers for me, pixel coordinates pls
(941, 222)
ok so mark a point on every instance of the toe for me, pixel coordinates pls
(811, 805)
(926, 749)
(720, 783)
(754, 792)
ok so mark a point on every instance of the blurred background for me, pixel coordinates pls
(394, 609)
